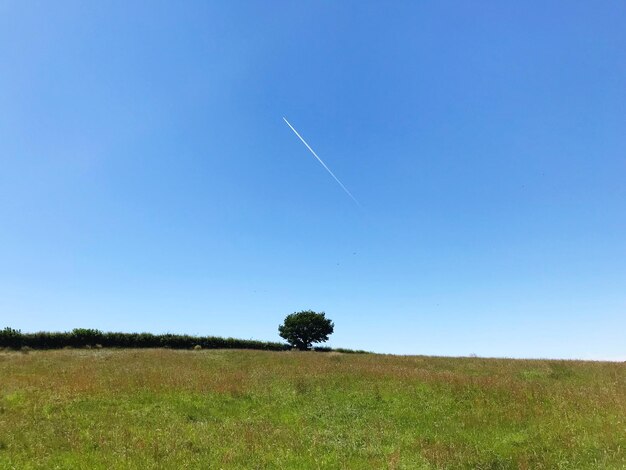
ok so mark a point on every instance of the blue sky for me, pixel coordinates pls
(149, 183)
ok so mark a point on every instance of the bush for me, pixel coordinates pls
(85, 337)
(10, 338)
(351, 351)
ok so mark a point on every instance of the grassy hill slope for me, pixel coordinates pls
(159, 408)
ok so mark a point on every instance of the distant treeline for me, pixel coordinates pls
(90, 338)
(82, 338)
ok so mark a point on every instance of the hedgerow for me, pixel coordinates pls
(82, 337)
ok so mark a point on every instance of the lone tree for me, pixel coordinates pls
(301, 329)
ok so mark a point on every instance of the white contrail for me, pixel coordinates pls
(323, 164)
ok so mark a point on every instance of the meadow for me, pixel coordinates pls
(226, 409)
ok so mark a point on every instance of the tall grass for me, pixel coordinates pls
(232, 409)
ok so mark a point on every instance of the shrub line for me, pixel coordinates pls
(86, 338)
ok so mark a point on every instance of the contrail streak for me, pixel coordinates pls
(323, 164)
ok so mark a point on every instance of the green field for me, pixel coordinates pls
(162, 408)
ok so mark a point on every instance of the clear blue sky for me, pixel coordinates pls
(149, 183)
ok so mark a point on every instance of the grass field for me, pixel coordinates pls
(254, 409)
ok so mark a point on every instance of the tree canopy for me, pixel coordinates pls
(302, 329)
